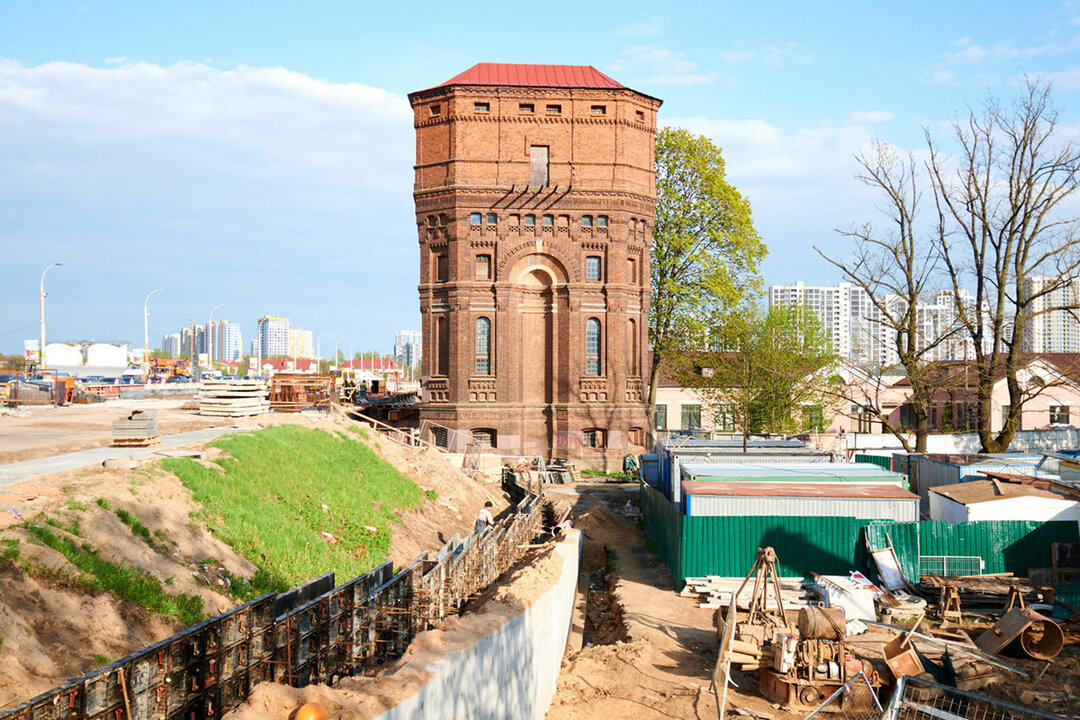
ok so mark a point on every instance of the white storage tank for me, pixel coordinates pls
(62, 355)
(107, 355)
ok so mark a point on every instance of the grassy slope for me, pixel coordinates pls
(266, 501)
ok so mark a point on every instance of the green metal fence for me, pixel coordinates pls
(879, 460)
(693, 546)
(1013, 546)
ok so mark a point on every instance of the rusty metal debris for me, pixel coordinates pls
(293, 392)
(1026, 631)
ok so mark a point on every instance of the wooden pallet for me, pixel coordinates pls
(135, 442)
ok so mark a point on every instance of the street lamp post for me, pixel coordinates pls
(338, 340)
(146, 335)
(318, 348)
(210, 338)
(351, 354)
(41, 349)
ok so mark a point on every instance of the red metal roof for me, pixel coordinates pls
(516, 75)
(783, 489)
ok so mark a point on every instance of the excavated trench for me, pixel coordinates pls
(604, 622)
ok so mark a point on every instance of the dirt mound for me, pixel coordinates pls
(53, 627)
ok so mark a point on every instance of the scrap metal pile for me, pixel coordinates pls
(808, 661)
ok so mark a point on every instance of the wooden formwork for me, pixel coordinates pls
(314, 633)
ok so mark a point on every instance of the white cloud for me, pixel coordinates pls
(870, 117)
(261, 187)
(659, 66)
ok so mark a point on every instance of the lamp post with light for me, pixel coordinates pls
(146, 335)
(41, 349)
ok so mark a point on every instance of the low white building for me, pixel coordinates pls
(999, 500)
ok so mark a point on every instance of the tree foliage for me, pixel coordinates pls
(705, 251)
(769, 368)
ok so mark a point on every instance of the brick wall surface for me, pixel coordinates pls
(474, 157)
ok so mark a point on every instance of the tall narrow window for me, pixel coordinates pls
(442, 346)
(660, 422)
(483, 267)
(632, 345)
(442, 270)
(538, 166)
(592, 267)
(592, 346)
(483, 346)
(631, 271)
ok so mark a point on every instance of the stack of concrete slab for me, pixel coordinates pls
(136, 430)
(234, 398)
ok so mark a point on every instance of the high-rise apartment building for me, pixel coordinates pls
(301, 344)
(192, 343)
(225, 340)
(273, 336)
(1054, 328)
(535, 199)
(170, 344)
(408, 347)
(856, 326)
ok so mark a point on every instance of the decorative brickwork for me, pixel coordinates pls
(534, 207)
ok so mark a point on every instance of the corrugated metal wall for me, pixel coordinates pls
(1005, 545)
(898, 509)
(878, 460)
(663, 525)
(727, 546)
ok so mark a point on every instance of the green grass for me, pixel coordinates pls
(76, 506)
(103, 503)
(431, 495)
(127, 583)
(10, 554)
(589, 472)
(266, 501)
(102, 660)
(139, 530)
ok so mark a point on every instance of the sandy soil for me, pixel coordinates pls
(38, 431)
(54, 628)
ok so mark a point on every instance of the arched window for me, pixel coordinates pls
(483, 346)
(592, 346)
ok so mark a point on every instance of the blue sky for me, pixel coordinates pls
(260, 154)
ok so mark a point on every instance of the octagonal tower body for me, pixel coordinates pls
(535, 199)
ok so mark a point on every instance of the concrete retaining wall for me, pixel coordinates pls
(509, 673)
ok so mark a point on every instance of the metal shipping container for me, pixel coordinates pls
(863, 502)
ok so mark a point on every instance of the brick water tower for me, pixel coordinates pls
(535, 199)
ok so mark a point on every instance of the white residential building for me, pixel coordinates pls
(170, 343)
(273, 336)
(855, 328)
(408, 346)
(1053, 330)
(225, 340)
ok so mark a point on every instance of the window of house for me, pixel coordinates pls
(474, 219)
(549, 220)
(538, 166)
(725, 418)
(592, 267)
(592, 346)
(599, 109)
(442, 268)
(814, 418)
(640, 115)
(593, 437)
(483, 346)
(660, 418)
(485, 436)
(483, 267)
(530, 221)
(586, 221)
(1059, 414)
(631, 270)
(601, 221)
(436, 110)
(492, 219)
(863, 418)
(690, 417)
(442, 346)
(636, 436)
(482, 107)
(526, 109)
(554, 109)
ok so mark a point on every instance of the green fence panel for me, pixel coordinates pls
(1013, 546)
(663, 525)
(878, 460)
(727, 546)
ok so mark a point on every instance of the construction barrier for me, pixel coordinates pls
(315, 633)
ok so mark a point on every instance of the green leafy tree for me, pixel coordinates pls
(705, 251)
(769, 368)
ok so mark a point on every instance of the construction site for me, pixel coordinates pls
(564, 607)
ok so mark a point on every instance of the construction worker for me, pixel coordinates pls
(483, 518)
